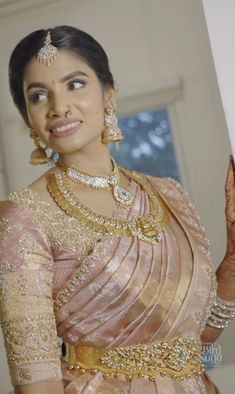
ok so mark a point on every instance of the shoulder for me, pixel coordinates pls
(31, 198)
(20, 228)
(170, 189)
(164, 184)
(169, 186)
(164, 181)
(21, 210)
(15, 220)
(13, 203)
(10, 205)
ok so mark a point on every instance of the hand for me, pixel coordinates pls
(230, 211)
(226, 271)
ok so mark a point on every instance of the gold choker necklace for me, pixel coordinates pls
(121, 195)
(147, 228)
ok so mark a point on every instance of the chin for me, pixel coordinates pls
(69, 149)
(75, 146)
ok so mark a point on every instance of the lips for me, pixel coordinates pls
(64, 128)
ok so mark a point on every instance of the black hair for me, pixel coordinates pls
(63, 37)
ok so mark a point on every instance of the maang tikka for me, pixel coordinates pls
(48, 52)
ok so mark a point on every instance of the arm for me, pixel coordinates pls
(39, 388)
(26, 303)
(226, 272)
(226, 290)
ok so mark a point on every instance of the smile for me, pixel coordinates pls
(66, 127)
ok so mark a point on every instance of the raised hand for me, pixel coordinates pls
(226, 271)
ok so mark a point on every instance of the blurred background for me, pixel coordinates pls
(169, 108)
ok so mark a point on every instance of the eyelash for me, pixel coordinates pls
(34, 97)
(76, 81)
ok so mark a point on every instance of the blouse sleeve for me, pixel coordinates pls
(26, 303)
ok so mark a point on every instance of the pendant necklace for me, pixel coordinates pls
(123, 197)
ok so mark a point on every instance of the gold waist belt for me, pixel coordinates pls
(175, 358)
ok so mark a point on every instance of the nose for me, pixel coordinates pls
(58, 107)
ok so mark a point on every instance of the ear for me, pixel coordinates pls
(110, 96)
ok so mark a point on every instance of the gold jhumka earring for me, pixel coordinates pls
(39, 155)
(111, 132)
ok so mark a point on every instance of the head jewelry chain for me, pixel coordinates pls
(48, 52)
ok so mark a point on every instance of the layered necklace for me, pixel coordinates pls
(147, 228)
(123, 197)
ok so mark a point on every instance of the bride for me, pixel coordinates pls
(105, 274)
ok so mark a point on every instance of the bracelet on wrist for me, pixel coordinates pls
(222, 313)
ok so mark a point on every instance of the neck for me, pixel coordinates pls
(97, 162)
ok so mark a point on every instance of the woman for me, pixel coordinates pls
(116, 264)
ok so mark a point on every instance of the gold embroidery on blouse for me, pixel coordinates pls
(5, 228)
(34, 283)
(30, 338)
(31, 373)
(28, 246)
(77, 237)
(24, 374)
(7, 266)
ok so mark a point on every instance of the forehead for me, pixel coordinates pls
(65, 63)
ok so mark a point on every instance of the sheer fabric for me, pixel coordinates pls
(100, 290)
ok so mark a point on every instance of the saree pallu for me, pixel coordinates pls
(112, 292)
(137, 293)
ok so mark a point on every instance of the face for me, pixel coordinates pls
(67, 83)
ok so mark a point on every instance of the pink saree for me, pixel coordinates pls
(106, 291)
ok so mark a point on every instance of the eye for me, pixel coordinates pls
(36, 97)
(76, 84)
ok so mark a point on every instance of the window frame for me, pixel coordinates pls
(170, 97)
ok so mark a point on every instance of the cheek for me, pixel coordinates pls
(28, 113)
(93, 112)
(99, 117)
(99, 108)
(36, 117)
(32, 114)
(92, 102)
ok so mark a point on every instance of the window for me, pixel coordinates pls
(148, 145)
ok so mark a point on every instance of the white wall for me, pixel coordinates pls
(220, 18)
(150, 44)
(221, 29)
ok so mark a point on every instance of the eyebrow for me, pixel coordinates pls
(62, 80)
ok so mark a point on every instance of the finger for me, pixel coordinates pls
(230, 181)
(232, 162)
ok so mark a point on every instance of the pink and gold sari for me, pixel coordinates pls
(112, 292)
